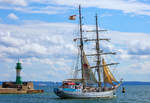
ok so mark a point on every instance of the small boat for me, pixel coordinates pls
(90, 85)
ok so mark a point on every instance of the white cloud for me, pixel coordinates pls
(38, 10)
(12, 16)
(137, 68)
(44, 46)
(136, 43)
(36, 40)
(61, 6)
(39, 44)
(128, 6)
(14, 2)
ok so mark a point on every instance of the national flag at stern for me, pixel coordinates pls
(73, 17)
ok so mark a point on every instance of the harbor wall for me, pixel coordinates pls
(13, 88)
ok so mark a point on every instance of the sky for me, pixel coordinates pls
(41, 35)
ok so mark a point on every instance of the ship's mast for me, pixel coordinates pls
(81, 42)
(98, 53)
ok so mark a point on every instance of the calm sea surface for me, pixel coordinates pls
(134, 94)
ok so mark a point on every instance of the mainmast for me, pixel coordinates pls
(98, 53)
(81, 42)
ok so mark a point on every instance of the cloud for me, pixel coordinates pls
(12, 16)
(41, 10)
(136, 43)
(30, 40)
(139, 48)
(44, 46)
(38, 10)
(128, 6)
(62, 6)
(14, 2)
(38, 45)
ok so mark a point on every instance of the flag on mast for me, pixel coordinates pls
(73, 17)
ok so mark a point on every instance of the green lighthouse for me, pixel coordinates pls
(18, 70)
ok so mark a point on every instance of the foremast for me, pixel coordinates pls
(81, 45)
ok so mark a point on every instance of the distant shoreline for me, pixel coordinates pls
(53, 83)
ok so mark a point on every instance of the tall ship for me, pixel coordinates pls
(95, 81)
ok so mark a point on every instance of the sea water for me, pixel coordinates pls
(133, 94)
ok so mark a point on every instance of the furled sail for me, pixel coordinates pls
(87, 72)
(108, 76)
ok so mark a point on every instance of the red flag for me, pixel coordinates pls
(85, 66)
(73, 17)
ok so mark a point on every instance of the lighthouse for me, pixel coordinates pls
(18, 70)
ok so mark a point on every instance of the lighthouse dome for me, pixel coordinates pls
(18, 66)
